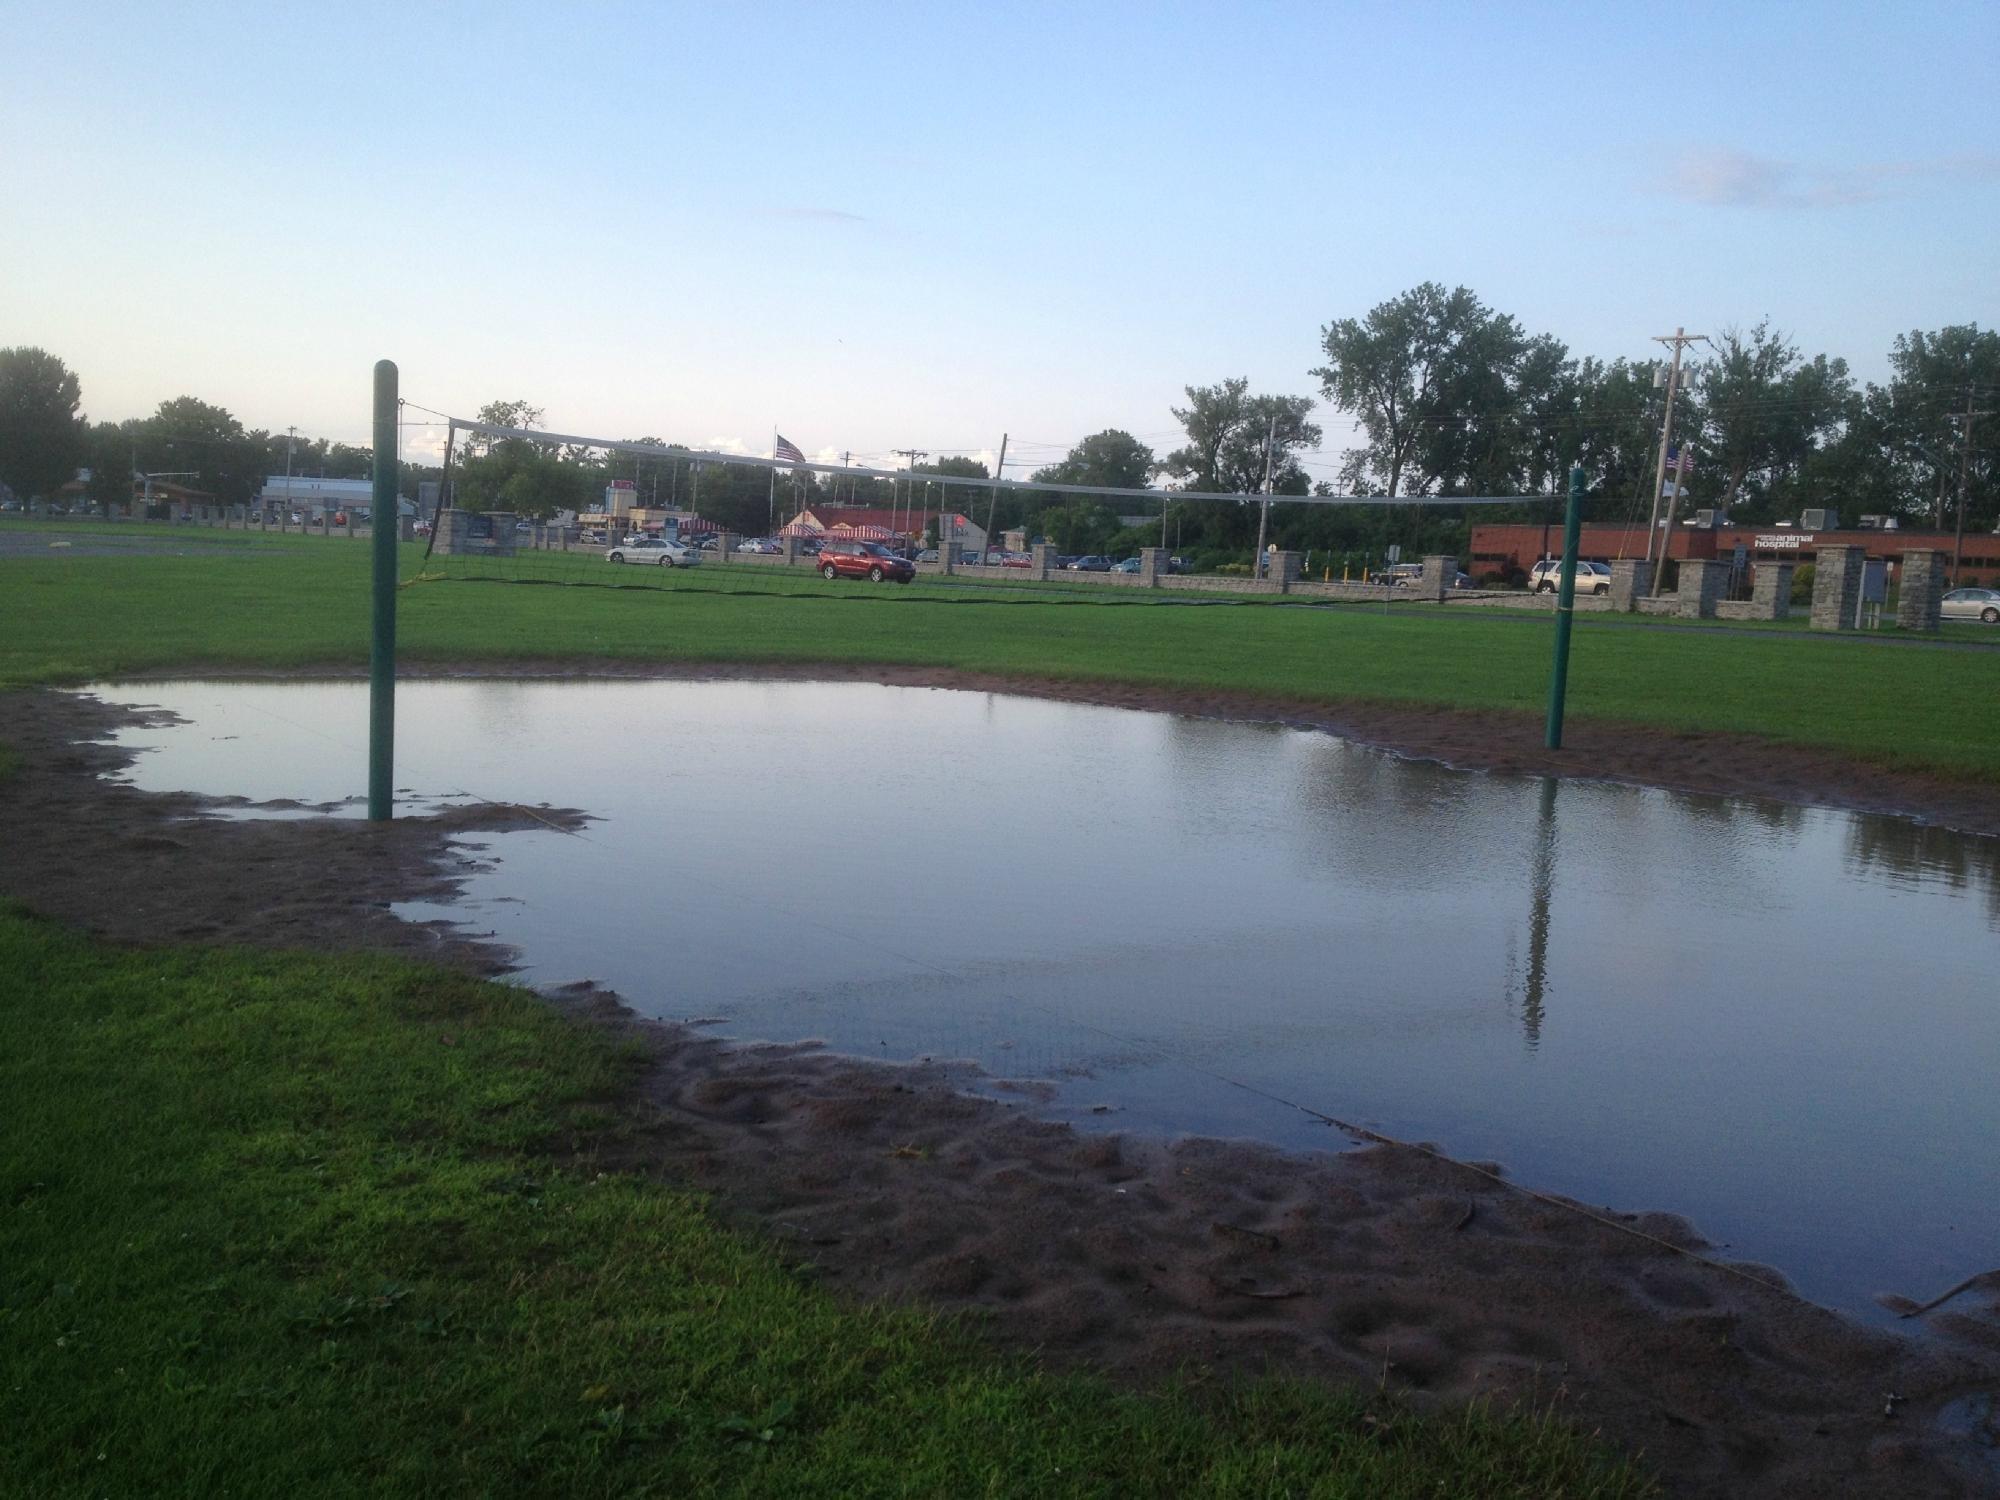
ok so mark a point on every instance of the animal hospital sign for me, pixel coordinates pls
(1785, 541)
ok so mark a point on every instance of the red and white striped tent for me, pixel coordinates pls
(864, 533)
(800, 528)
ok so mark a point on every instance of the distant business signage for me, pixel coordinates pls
(1785, 541)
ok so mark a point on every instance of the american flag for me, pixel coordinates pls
(788, 450)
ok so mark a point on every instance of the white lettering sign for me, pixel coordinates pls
(1785, 541)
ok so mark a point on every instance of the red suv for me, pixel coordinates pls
(870, 560)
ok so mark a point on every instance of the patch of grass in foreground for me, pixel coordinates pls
(277, 1223)
(70, 619)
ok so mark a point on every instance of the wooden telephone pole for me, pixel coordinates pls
(1964, 419)
(1680, 338)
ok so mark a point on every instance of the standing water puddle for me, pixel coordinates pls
(1782, 1022)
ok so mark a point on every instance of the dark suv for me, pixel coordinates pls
(870, 560)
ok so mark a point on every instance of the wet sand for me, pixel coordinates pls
(939, 1185)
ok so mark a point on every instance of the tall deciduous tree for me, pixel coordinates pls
(1228, 432)
(1111, 458)
(507, 414)
(41, 438)
(207, 444)
(1764, 411)
(1902, 450)
(108, 450)
(1432, 377)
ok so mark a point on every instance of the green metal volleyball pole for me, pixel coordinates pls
(1565, 608)
(388, 519)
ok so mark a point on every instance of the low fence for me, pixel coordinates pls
(238, 518)
(1697, 594)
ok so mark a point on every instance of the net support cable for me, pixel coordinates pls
(1157, 496)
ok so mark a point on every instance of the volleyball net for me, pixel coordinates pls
(527, 505)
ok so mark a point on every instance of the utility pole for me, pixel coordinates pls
(1264, 511)
(1673, 509)
(1680, 338)
(993, 500)
(846, 460)
(910, 484)
(1965, 419)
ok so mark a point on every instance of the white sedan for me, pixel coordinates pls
(653, 549)
(1972, 604)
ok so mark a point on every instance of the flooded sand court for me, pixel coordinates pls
(1778, 1021)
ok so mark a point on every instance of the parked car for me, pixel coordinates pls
(870, 560)
(1016, 560)
(1130, 565)
(653, 549)
(1402, 575)
(1972, 604)
(929, 554)
(1591, 578)
(810, 547)
(1090, 563)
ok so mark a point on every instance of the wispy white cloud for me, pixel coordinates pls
(1725, 177)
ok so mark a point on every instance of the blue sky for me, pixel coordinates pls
(921, 226)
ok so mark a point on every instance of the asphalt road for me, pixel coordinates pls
(32, 539)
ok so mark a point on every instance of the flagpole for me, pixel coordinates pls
(771, 497)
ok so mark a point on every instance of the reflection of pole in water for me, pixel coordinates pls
(1542, 879)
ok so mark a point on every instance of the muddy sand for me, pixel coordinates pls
(936, 1184)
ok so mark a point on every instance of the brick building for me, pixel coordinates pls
(1510, 550)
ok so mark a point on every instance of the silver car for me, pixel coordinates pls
(1972, 604)
(1591, 577)
(653, 549)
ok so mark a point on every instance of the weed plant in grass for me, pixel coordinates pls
(304, 602)
(281, 1224)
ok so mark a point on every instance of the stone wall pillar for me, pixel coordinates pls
(503, 521)
(1435, 582)
(1631, 581)
(406, 528)
(947, 550)
(1920, 598)
(325, 524)
(1041, 560)
(453, 532)
(791, 551)
(1771, 591)
(1152, 566)
(1700, 588)
(1281, 571)
(725, 546)
(1836, 587)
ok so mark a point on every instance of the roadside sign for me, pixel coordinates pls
(1393, 552)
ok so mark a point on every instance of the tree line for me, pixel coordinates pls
(46, 442)
(1449, 397)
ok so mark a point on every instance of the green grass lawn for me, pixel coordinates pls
(297, 601)
(285, 1224)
